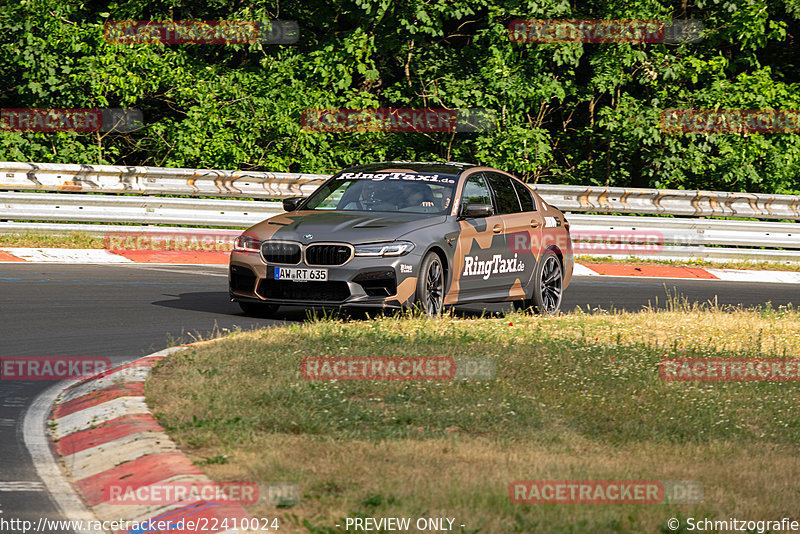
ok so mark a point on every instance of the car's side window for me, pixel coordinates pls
(504, 194)
(476, 191)
(525, 196)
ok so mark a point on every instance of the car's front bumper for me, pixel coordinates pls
(384, 282)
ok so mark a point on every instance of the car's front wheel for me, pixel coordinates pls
(258, 310)
(547, 286)
(430, 285)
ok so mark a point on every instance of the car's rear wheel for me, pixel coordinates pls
(258, 310)
(430, 285)
(547, 286)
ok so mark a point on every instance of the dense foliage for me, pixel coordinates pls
(566, 113)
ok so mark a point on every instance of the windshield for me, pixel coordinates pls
(391, 191)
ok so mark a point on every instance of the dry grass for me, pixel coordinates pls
(740, 265)
(719, 328)
(467, 478)
(32, 239)
(576, 397)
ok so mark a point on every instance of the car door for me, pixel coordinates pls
(481, 242)
(520, 224)
(535, 241)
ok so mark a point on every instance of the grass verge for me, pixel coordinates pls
(576, 397)
(33, 239)
(738, 265)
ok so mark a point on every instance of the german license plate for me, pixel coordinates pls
(301, 274)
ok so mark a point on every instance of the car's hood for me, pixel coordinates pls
(348, 226)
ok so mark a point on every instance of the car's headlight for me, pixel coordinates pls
(246, 243)
(394, 248)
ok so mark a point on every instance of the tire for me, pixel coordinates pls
(258, 310)
(430, 285)
(547, 286)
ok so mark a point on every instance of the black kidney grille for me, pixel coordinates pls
(328, 254)
(278, 252)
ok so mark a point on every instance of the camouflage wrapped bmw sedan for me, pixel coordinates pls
(400, 234)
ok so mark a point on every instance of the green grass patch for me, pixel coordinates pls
(739, 265)
(608, 391)
(575, 397)
(35, 239)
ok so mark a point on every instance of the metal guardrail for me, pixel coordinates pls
(685, 239)
(670, 202)
(105, 230)
(614, 236)
(135, 210)
(16, 176)
(688, 232)
(679, 238)
(155, 180)
(674, 233)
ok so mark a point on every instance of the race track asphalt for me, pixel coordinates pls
(126, 311)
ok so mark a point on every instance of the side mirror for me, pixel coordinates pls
(290, 204)
(477, 210)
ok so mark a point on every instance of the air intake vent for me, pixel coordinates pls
(285, 290)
